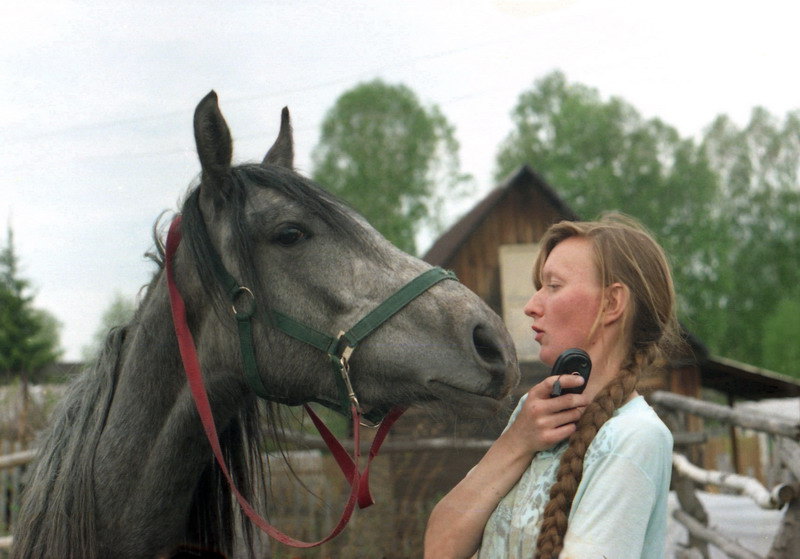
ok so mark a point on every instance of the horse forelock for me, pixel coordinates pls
(335, 213)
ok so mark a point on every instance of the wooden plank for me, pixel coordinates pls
(436, 443)
(686, 438)
(787, 542)
(746, 419)
(691, 553)
(731, 548)
(5, 482)
(690, 503)
(748, 486)
(790, 456)
(16, 459)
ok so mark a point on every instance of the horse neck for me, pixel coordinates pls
(153, 451)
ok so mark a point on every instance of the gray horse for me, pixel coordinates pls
(126, 471)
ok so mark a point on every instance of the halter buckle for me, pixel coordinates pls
(344, 371)
(369, 424)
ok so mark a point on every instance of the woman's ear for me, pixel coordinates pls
(615, 300)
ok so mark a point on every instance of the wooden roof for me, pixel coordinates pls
(524, 178)
(744, 381)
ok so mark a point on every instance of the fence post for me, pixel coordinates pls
(5, 480)
(684, 487)
(787, 542)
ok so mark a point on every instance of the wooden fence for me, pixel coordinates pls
(12, 463)
(308, 513)
(306, 493)
(688, 477)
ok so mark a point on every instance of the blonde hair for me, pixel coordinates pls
(624, 252)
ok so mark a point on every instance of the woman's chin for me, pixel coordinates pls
(546, 357)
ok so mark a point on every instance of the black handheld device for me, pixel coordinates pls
(570, 362)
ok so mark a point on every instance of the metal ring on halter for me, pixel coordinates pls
(364, 423)
(239, 291)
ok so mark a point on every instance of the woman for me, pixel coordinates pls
(579, 476)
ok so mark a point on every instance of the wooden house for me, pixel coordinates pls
(492, 249)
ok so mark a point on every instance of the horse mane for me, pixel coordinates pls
(59, 508)
(61, 517)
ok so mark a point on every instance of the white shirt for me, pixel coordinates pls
(620, 508)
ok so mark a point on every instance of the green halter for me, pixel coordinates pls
(339, 348)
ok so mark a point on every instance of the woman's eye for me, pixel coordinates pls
(289, 235)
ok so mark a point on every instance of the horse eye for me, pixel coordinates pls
(289, 235)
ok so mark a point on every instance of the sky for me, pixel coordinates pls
(97, 98)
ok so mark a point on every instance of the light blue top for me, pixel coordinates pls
(620, 508)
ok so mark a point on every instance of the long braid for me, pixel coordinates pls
(570, 470)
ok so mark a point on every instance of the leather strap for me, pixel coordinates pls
(338, 348)
(358, 480)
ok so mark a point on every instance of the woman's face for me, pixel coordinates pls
(565, 308)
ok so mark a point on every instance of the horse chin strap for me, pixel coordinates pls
(339, 350)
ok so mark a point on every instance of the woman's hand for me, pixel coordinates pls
(455, 527)
(544, 421)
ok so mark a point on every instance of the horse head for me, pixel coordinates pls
(125, 457)
(306, 254)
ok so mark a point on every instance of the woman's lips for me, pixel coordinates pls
(538, 333)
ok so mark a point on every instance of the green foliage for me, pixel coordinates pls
(727, 211)
(759, 208)
(601, 155)
(119, 312)
(28, 336)
(393, 159)
(780, 345)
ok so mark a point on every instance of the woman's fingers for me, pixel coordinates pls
(558, 418)
(544, 392)
(545, 421)
(545, 388)
(555, 436)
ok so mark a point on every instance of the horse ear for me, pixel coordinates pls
(213, 139)
(282, 151)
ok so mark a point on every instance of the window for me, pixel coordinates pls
(516, 286)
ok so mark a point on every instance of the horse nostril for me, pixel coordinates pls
(486, 346)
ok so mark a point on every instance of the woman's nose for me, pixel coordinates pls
(533, 307)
